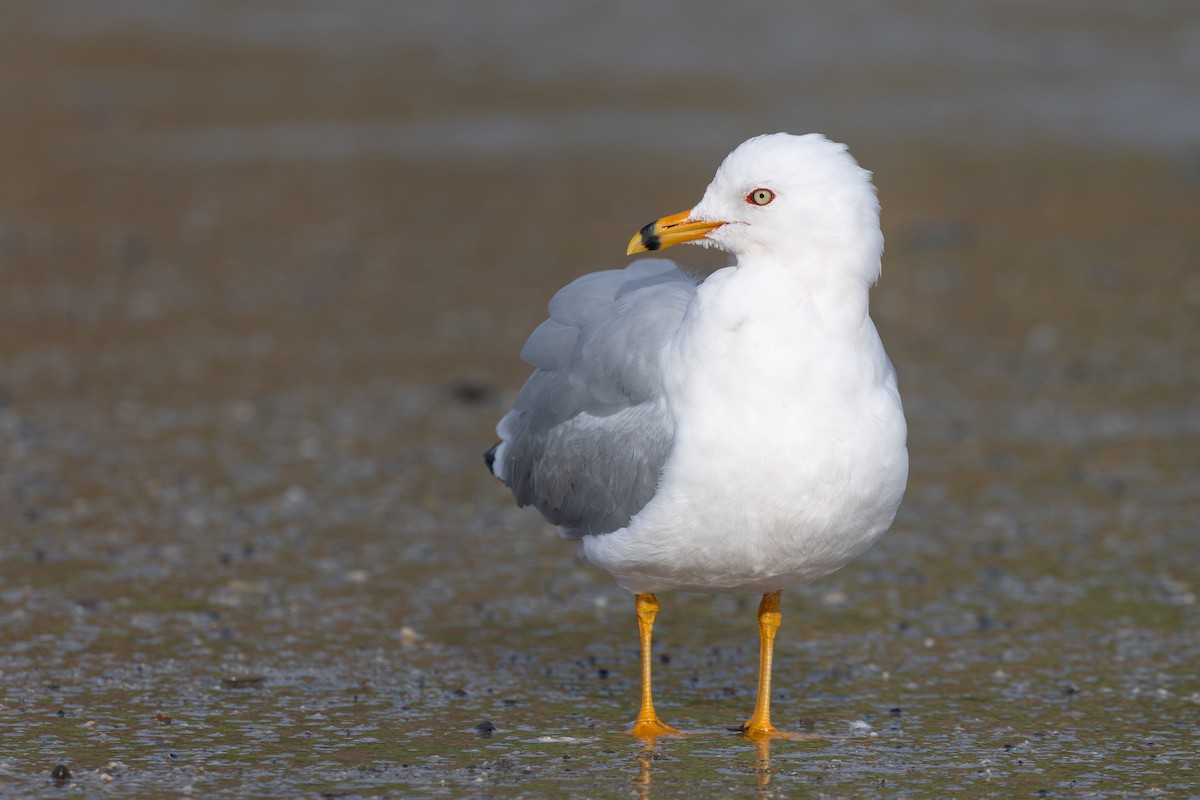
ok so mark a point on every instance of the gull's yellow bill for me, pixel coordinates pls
(668, 231)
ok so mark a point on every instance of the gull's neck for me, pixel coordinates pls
(838, 251)
(828, 281)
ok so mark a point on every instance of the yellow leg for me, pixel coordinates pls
(648, 724)
(759, 725)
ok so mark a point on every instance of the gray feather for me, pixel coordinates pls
(589, 432)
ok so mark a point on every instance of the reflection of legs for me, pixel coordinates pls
(769, 618)
(648, 724)
(643, 780)
(763, 767)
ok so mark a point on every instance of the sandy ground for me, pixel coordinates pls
(265, 273)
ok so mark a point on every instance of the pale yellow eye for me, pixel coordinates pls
(760, 197)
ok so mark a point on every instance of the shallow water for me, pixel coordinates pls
(265, 274)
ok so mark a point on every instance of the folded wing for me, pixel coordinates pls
(589, 432)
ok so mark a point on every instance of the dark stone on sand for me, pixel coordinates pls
(243, 681)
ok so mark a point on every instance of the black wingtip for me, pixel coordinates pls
(489, 457)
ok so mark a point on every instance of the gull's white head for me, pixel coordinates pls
(801, 201)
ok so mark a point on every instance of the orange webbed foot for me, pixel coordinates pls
(652, 728)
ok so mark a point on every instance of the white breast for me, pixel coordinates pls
(790, 454)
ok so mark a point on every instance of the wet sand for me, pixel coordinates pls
(265, 278)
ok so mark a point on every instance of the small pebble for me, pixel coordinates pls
(242, 681)
(473, 392)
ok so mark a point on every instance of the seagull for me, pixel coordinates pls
(743, 433)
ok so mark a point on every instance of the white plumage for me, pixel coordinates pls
(743, 434)
(765, 391)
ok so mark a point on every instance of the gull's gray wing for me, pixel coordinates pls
(589, 432)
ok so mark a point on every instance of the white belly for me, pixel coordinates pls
(760, 515)
(788, 463)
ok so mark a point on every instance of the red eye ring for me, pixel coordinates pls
(760, 197)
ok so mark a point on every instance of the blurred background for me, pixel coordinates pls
(266, 268)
